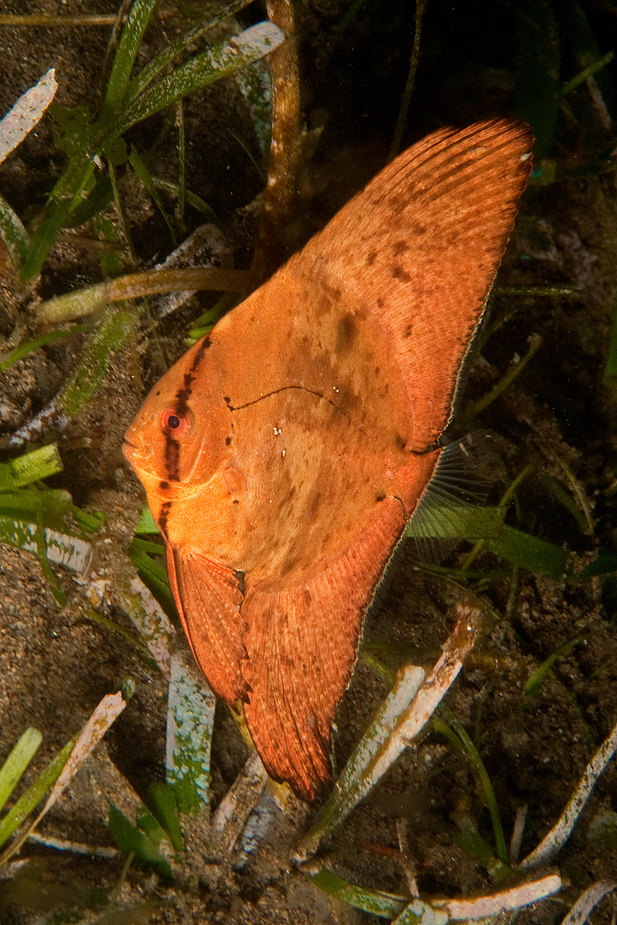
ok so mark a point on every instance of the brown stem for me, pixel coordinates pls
(279, 194)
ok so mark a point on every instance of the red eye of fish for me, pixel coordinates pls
(175, 422)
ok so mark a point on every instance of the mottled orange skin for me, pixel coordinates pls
(308, 428)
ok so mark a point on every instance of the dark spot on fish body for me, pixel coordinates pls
(330, 297)
(228, 441)
(333, 291)
(399, 442)
(408, 330)
(172, 458)
(163, 485)
(163, 517)
(399, 247)
(418, 229)
(401, 274)
(345, 334)
(399, 203)
(380, 497)
(372, 257)
(346, 400)
(314, 505)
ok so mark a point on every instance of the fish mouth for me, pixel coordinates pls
(128, 448)
(140, 457)
(133, 452)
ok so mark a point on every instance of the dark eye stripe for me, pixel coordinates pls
(172, 458)
(183, 394)
(172, 446)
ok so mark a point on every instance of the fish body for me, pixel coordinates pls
(283, 455)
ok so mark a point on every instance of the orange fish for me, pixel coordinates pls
(285, 452)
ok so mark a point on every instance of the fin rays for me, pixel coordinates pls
(301, 647)
(209, 598)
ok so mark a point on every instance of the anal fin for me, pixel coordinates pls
(208, 596)
(301, 645)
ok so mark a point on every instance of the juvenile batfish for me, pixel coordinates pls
(284, 453)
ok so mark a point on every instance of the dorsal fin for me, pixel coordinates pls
(453, 193)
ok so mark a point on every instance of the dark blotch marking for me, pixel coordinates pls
(380, 301)
(315, 504)
(172, 458)
(163, 485)
(184, 393)
(228, 441)
(347, 400)
(431, 448)
(333, 291)
(289, 565)
(164, 516)
(408, 330)
(372, 257)
(331, 295)
(418, 229)
(400, 273)
(399, 442)
(400, 247)
(241, 582)
(236, 501)
(345, 334)
(399, 203)
(379, 496)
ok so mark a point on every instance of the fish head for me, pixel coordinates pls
(181, 436)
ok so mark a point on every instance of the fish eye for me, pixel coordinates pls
(176, 422)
